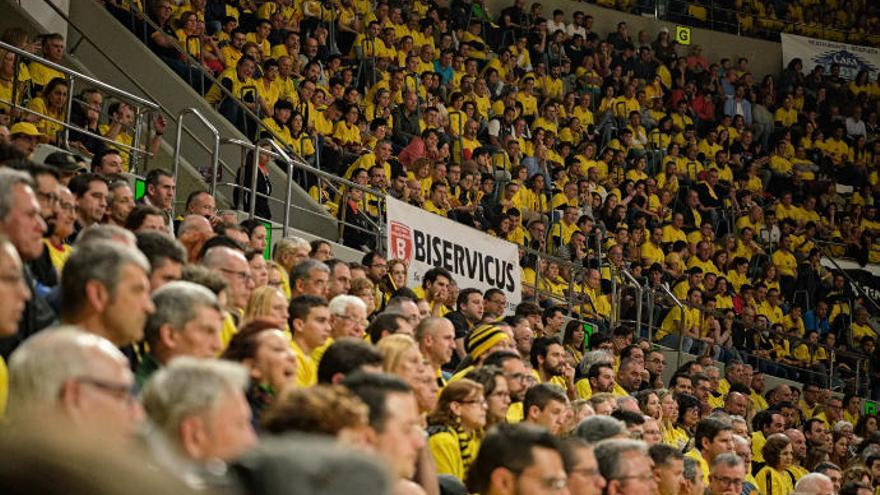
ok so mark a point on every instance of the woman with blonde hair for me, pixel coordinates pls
(267, 303)
(673, 436)
(401, 356)
(455, 427)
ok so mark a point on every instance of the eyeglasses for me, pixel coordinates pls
(728, 481)
(119, 391)
(479, 402)
(500, 394)
(641, 477)
(241, 275)
(353, 319)
(586, 472)
(50, 198)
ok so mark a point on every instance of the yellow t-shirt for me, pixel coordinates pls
(704, 466)
(453, 451)
(774, 482)
(306, 370)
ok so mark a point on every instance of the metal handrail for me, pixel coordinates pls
(215, 152)
(849, 279)
(639, 291)
(134, 81)
(78, 129)
(78, 75)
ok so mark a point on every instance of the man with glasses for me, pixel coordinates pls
(727, 475)
(626, 467)
(494, 305)
(518, 459)
(348, 318)
(377, 267)
(583, 476)
(233, 266)
(75, 376)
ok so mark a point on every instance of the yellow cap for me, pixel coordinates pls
(25, 128)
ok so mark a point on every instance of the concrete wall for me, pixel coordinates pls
(765, 57)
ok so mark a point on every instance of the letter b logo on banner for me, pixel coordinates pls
(401, 242)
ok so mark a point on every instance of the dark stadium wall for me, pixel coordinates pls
(765, 57)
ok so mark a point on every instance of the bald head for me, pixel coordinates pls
(798, 443)
(814, 484)
(220, 257)
(195, 224)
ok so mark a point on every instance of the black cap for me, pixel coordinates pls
(63, 161)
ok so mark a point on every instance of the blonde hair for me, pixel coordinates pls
(260, 302)
(392, 348)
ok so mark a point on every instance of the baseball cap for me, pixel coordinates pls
(63, 162)
(25, 128)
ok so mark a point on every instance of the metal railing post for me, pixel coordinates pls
(639, 289)
(680, 305)
(70, 93)
(215, 150)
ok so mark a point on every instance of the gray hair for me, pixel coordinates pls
(105, 232)
(809, 483)
(41, 366)
(840, 425)
(609, 455)
(597, 428)
(727, 459)
(594, 357)
(720, 416)
(177, 303)
(691, 469)
(740, 440)
(303, 270)
(188, 387)
(97, 260)
(10, 178)
(340, 303)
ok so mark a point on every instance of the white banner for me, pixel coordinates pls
(813, 52)
(425, 240)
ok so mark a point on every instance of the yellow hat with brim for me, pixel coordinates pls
(25, 128)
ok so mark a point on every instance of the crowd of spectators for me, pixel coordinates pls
(610, 152)
(185, 335)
